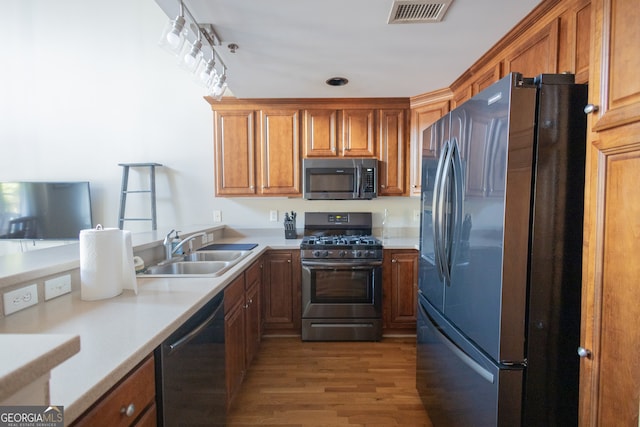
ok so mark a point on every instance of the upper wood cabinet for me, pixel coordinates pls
(424, 112)
(320, 133)
(235, 156)
(609, 371)
(392, 152)
(358, 133)
(537, 54)
(279, 159)
(257, 159)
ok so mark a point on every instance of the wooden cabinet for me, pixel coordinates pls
(262, 160)
(131, 402)
(320, 132)
(538, 54)
(242, 326)
(278, 171)
(253, 316)
(235, 156)
(400, 289)
(281, 292)
(425, 110)
(358, 133)
(234, 337)
(610, 373)
(392, 151)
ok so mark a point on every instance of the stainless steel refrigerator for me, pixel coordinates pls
(500, 256)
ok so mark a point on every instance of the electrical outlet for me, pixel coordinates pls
(416, 214)
(21, 298)
(217, 216)
(57, 286)
(273, 216)
(210, 237)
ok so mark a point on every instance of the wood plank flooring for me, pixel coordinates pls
(295, 383)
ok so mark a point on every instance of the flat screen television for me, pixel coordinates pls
(44, 210)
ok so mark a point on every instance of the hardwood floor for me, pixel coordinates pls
(295, 383)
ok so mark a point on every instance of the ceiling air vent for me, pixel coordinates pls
(407, 12)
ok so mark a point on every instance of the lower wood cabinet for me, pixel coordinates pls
(281, 292)
(131, 402)
(242, 326)
(400, 287)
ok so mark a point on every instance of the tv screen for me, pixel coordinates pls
(44, 210)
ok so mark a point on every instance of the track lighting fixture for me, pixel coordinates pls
(174, 34)
(191, 56)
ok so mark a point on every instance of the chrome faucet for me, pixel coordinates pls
(170, 250)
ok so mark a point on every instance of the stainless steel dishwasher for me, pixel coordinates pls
(190, 371)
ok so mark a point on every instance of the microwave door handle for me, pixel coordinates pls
(359, 181)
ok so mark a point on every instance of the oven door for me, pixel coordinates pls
(341, 289)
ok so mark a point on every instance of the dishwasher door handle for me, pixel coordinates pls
(189, 336)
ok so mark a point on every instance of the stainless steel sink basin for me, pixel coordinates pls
(197, 264)
(208, 268)
(216, 256)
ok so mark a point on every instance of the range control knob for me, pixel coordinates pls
(358, 254)
(341, 254)
(317, 254)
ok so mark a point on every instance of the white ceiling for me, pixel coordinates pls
(289, 48)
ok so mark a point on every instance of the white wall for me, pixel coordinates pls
(84, 87)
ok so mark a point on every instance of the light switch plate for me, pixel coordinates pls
(217, 216)
(19, 299)
(57, 286)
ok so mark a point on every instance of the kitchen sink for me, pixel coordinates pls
(189, 267)
(197, 264)
(228, 256)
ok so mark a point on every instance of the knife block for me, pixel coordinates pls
(290, 229)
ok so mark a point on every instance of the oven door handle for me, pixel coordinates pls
(356, 265)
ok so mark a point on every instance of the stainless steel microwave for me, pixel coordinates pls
(340, 179)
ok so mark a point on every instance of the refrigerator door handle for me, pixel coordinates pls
(464, 358)
(457, 203)
(437, 222)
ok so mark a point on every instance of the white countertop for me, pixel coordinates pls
(117, 333)
(27, 357)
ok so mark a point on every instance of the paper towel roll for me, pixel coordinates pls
(101, 256)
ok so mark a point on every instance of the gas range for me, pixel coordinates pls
(331, 235)
(341, 247)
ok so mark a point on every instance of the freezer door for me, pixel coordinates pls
(458, 385)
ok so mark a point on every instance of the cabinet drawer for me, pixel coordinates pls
(137, 389)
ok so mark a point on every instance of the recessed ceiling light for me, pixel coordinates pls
(337, 81)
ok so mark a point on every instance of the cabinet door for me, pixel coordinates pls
(234, 333)
(234, 142)
(358, 137)
(281, 295)
(279, 142)
(610, 374)
(537, 55)
(421, 118)
(401, 288)
(320, 133)
(253, 304)
(392, 152)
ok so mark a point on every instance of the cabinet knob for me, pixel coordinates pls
(394, 260)
(583, 352)
(129, 410)
(383, 186)
(414, 186)
(590, 108)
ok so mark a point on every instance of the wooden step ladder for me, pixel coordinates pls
(125, 191)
